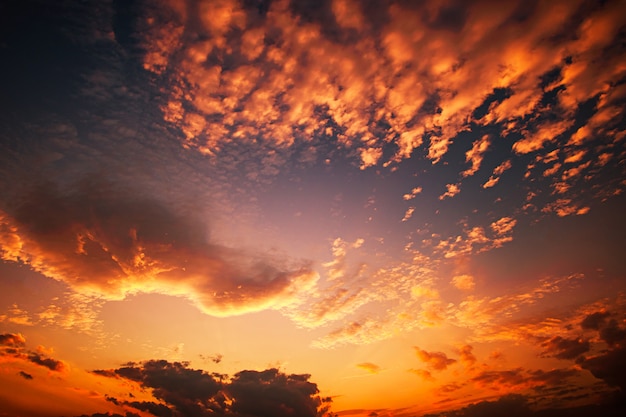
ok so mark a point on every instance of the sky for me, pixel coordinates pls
(304, 208)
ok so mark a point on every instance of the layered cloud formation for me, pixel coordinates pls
(426, 195)
(106, 243)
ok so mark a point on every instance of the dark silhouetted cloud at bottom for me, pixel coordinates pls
(182, 391)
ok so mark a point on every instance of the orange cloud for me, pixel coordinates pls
(372, 368)
(475, 155)
(497, 172)
(414, 192)
(424, 374)
(108, 243)
(463, 282)
(452, 190)
(467, 358)
(435, 360)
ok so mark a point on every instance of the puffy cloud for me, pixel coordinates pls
(13, 345)
(312, 73)
(452, 190)
(414, 192)
(101, 240)
(181, 390)
(564, 207)
(466, 356)
(546, 132)
(435, 360)
(476, 240)
(12, 339)
(463, 282)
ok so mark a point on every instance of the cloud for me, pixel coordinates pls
(186, 391)
(414, 192)
(372, 368)
(510, 405)
(12, 339)
(497, 172)
(25, 375)
(475, 239)
(612, 333)
(609, 367)
(104, 241)
(408, 214)
(422, 373)
(52, 364)
(289, 76)
(595, 320)
(475, 155)
(563, 348)
(435, 360)
(463, 282)
(466, 357)
(452, 190)
(521, 379)
(13, 345)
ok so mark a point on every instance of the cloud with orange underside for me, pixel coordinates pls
(277, 79)
(111, 244)
(437, 361)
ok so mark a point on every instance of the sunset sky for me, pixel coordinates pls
(275, 208)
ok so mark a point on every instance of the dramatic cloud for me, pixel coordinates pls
(101, 240)
(293, 183)
(186, 391)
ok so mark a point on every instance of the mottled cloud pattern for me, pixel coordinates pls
(287, 76)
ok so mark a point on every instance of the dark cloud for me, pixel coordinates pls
(595, 320)
(14, 344)
(612, 333)
(610, 367)
(12, 339)
(521, 378)
(272, 393)
(509, 405)
(516, 405)
(127, 414)
(25, 375)
(185, 391)
(563, 348)
(159, 410)
(52, 364)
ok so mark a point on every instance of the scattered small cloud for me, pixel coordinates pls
(372, 368)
